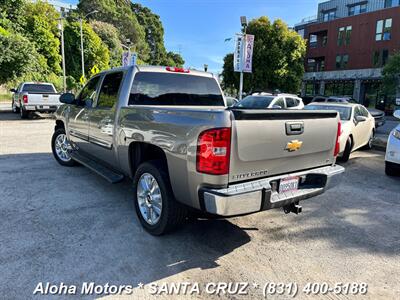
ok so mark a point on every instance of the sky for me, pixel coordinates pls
(197, 29)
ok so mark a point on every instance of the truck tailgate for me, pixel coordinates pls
(272, 142)
(43, 99)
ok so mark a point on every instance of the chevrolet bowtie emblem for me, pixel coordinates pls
(294, 145)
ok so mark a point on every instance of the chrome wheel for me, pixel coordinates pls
(149, 198)
(371, 140)
(14, 108)
(63, 148)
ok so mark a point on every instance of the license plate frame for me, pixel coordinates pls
(46, 107)
(289, 184)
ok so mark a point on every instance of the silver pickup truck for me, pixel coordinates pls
(34, 97)
(169, 131)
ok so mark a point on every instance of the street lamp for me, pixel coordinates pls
(81, 25)
(61, 29)
(205, 67)
(243, 22)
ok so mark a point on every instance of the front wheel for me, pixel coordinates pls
(14, 107)
(61, 148)
(370, 143)
(155, 205)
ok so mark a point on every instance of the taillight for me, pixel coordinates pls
(213, 151)
(177, 70)
(25, 98)
(337, 145)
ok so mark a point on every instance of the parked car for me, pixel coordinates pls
(266, 100)
(378, 115)
(357, 126)
(185, 150)
(230, 101)
(392, 158)
(35, 96)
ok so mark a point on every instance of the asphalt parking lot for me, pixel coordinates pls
(68, 225)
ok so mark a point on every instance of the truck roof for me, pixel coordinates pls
(163, 69)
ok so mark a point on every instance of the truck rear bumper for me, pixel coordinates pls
(41, 108)
(259, 195)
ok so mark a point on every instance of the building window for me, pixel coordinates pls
(344, 88)
(391, 3)
(342, 61)
(324, 40)
(311, 65)
(357, 9)
(383, 30)
(313, 41)
(329, 15)
(301, 32)
(344, 35)
(380, 58)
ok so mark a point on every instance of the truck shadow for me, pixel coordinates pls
(70, 225)
(8, 115)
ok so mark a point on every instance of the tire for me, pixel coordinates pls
(14, 108)
(391, 169)
(160, 204)
(61, 155)
(369, 145)
(23, 113)
(347, 150)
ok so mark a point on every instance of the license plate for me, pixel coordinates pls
(46, 107)
(289, 184)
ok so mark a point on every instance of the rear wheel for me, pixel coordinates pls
(61, 148)
(392, 169)
(156, 207)
(23, 112)
(370, 143)
(347, 150)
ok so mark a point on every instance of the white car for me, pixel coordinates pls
(392, 159)
(357, 125)
(266, 100)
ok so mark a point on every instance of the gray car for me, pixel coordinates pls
(169, 131)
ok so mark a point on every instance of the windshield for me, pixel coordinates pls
(151, 88)
(255, 102)
(344, 112)
(39, 88)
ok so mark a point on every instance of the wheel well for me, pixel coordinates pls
(59, 124)
(142, 152)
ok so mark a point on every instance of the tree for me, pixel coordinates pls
(119, 14)
(19, 58)
(11, 14)
(95, 52)
(110, 36)
(41, 28)
(278, 59)
(391, 73)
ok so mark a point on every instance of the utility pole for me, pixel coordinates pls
(61, 28)
(82, 53)
(243, 21)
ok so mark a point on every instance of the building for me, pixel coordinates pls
(348, 43)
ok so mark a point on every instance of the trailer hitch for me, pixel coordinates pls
(293, 208)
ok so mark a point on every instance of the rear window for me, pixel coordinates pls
(39, 88)
(344, 112)
(255, 102)
(151, 88)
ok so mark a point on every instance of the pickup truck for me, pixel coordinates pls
(34, 96)
(169, 131)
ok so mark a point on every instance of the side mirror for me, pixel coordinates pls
(67, 98)
(396, 114)
(13, 90)
(360, 119)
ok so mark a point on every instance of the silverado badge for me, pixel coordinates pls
(294, 145)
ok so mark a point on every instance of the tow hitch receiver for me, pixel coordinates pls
(293, 208)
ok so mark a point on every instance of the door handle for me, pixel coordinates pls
(294, 128)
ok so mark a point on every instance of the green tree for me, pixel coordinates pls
(19, 58)
(95, 51)
(391, 73)
(278, 59)
(110, 36)
(11, 14)
(41, 29)
(173, 59)
(119, 14)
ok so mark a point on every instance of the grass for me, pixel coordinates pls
(4, 98)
